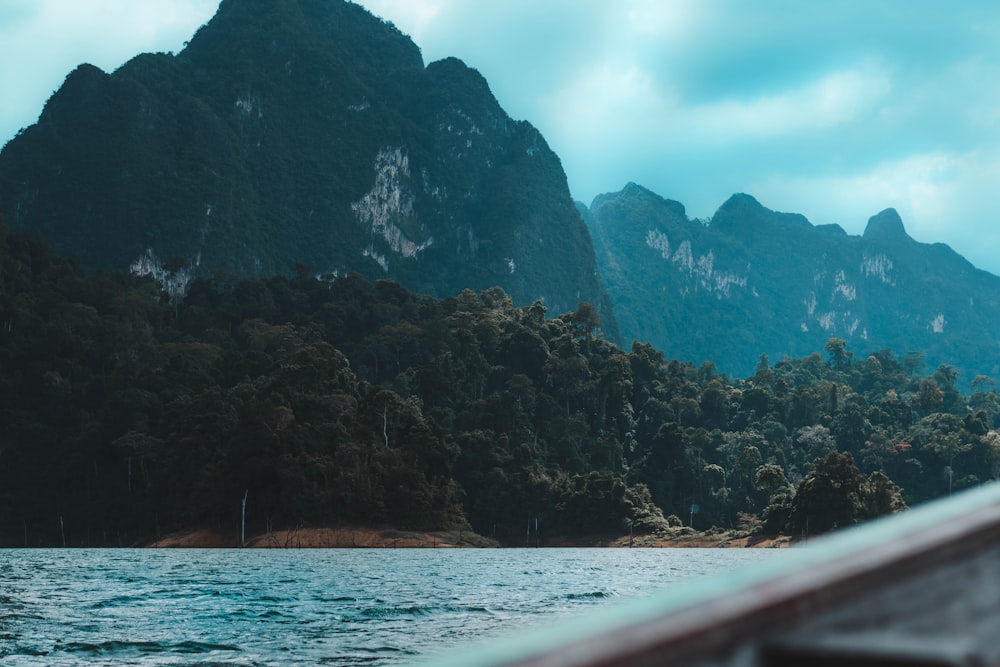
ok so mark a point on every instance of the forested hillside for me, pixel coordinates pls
(301, 131)
(751, 280)
(128, 412)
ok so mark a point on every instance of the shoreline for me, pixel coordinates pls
(375, 538)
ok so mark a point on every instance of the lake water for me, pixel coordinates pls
(307, 607)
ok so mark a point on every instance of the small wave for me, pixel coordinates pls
(596, 595)
(112, 647)
(24, 650)
(201, 647)
(473, 610)
(11, 617)
(121, 600)
(128, 647)
(366, 655)
(387, 649)
(385, 612)
(464, 609)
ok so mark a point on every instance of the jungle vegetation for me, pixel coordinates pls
(128, 412)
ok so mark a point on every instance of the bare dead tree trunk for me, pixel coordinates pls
(385, 425)
(62, 531)
(243, 521)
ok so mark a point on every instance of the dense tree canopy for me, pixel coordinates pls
(128, 412)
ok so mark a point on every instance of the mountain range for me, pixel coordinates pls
(309, 135)
(753, 281)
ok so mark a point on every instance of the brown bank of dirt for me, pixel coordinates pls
(326, 538)
(684, 538)
(195, 539)
(722, 540)
(341, 538)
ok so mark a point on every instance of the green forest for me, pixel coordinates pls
(128, 412)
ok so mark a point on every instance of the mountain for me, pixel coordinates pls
(753, 281)
(301, 132)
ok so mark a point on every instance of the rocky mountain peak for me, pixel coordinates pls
(886, 227)
(741, 202)
(634, 196)
(742, 216)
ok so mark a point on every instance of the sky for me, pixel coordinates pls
(835, 110)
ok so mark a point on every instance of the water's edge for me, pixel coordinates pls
(367, 537)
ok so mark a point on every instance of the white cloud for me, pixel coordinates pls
(833, 100)
(610, 99)
(663, 20)
(621, 99)
(413, 17)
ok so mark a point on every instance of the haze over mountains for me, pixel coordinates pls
(310, 132)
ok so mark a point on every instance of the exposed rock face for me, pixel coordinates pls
(754, 281)
(301, 131)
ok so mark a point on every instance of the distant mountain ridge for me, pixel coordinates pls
(754, 281)
(301, 131)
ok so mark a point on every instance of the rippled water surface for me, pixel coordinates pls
(308, 607)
